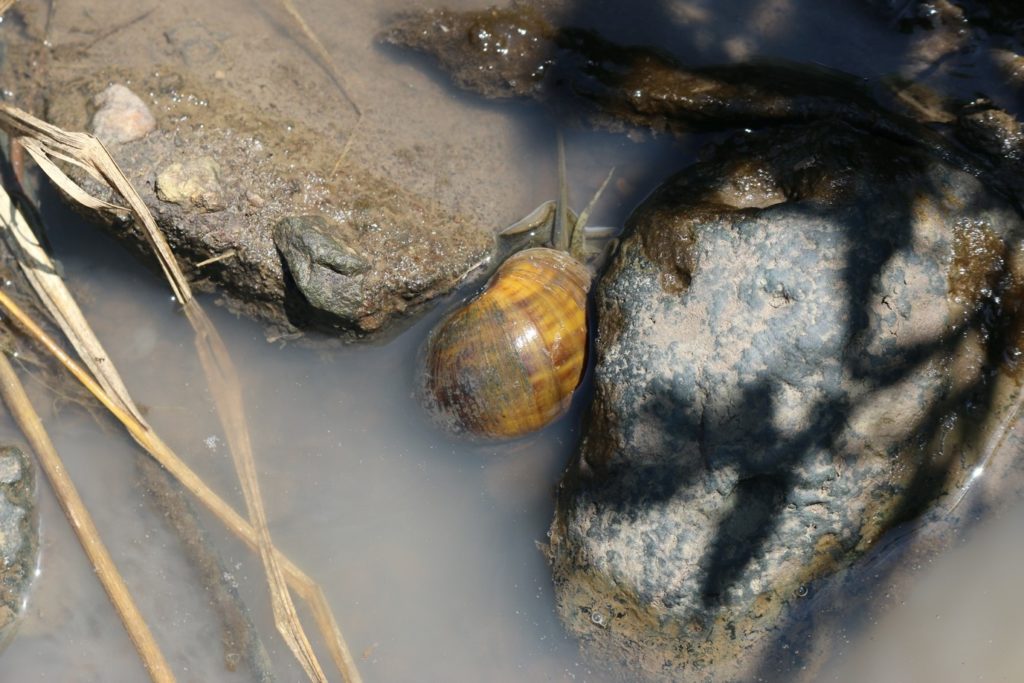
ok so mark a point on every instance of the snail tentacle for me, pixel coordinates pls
(508, 361)
(578, 242)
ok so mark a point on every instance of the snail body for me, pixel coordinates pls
(508, 361)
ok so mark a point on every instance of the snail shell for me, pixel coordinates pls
(507, 362)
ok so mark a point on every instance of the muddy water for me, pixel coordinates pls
(427, 547)
(960, 620)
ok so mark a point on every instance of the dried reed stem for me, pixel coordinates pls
(46, 142)
(325, 57)
(81, 521)
(224, 386)
(216, 259)
(42, 276)
(328, 64)
(49, 287)
(296, 578)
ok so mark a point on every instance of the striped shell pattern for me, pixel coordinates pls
(508, 361)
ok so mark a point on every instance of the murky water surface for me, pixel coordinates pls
(426, 547)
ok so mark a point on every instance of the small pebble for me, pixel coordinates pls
(121, 116)
(192, 183)
(255, 200)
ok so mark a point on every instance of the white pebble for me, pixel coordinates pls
(121, 116)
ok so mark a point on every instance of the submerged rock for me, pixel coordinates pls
(613, 86)
(19, 537)
(994, 130)
(787, 340)
(498, 52)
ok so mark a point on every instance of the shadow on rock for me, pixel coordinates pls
(798, 351)
(805, 342)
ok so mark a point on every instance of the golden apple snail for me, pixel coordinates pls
(507, 361)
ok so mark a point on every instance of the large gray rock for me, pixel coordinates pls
(19, 537)
(786, 340)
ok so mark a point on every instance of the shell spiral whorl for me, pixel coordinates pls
(507, 362)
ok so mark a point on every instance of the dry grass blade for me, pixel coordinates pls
(223, 383)
(81, 521)
(41, 273)
(322, 53)
(45, 142)
(308, 589)
(328, 65)
(60, 178)
(50, 289)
